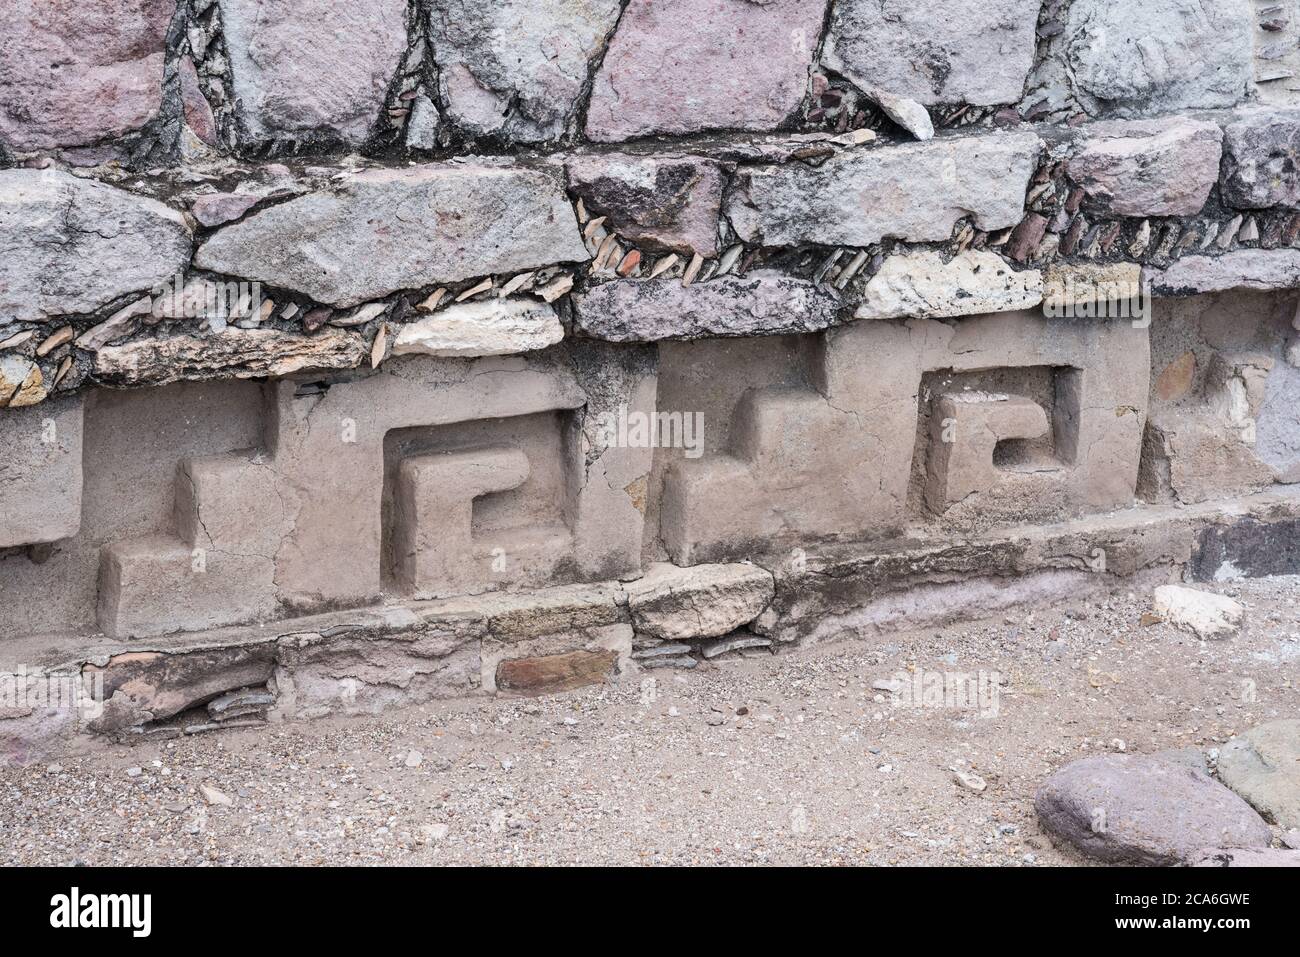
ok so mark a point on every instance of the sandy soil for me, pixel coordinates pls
(796, 758)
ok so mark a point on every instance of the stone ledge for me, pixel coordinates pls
(370, 659)
(1239, 269)
(912, 582)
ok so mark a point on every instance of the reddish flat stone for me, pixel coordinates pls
(551, 673)
(198, 112)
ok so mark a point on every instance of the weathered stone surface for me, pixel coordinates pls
(366, 673)
(21, 382)
(234, 705)
(1131, 809)
(1260, 160)
(739, 642)
(1190, 757)
(1277, 426)
(495, 327)
(1263, 766)
(758, 304)
(1150, 58)
(915, 191)
(1196, 453)
(659, 203)
(512, 617)
(197, 299)
(390, 229)
(1239, 269)
(1203, 613)
(923, 285)
(1148, 167)
(557, 661)
(34, 733)
(1026, 238)
(423, 125)
(516, 68)
(68, 245)
(706, 601)
(682, 66)
(119, 325)
(935, 51)
(234, 354)
(306, 66)
(548, 674)
(40, 473)
(1211, 440)
(149, 685)
(1248, 549)
(1081, 289)
(74, 72)
(15, 340)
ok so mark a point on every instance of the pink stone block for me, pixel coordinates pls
(681, 66)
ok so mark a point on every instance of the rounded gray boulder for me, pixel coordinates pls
(1131, 809)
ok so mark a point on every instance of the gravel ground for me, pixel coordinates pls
(792, 759)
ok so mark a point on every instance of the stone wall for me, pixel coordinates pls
(310, 308)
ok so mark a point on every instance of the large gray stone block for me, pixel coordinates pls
(758, 304)
(516, 68)
(388, 229)
(707, 601)
(935, 51)
(915, 192)
(493, 327)
(301, 66)
(1149, 58)
(70, 245)
(925, 285)
(1245, 268)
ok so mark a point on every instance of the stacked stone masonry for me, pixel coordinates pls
(456, 346)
